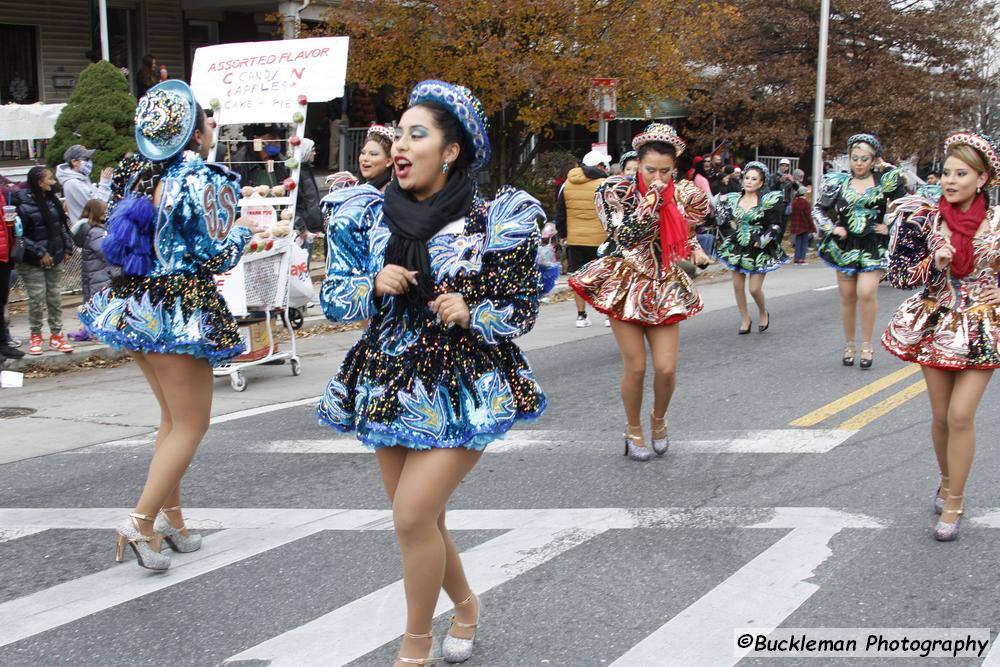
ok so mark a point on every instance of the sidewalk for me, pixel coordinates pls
(55, 360)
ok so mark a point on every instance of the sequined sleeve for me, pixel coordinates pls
(694, 204)
(503, 302)
(832, 183)
(773, 226)
(207, 216)
(911, 246)
(353, 237)
(724, 214)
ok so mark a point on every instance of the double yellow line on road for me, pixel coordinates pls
(866, 417)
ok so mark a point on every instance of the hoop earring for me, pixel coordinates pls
(445, 167)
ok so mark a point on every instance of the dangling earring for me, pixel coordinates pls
(979, 189)
(445, 167)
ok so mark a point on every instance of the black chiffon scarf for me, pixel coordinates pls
(413, 223)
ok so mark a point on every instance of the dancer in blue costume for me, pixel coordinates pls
(850, 213)
(447, 280)
(170, 235)
(750, 232)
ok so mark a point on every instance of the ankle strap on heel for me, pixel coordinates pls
(429, 635)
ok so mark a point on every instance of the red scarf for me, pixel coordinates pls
(673, 228)
(963, 226)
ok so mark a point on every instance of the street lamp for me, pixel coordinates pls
(817, 157)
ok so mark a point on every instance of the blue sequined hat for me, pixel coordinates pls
(464, 106)
(865, 138)
(759, 166)
(165, 120)
(628, 155)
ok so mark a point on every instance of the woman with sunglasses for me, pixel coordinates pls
(850, 214)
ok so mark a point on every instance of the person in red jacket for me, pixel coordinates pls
(6, 267)
(801, 225)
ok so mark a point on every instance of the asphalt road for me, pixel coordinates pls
(581, 556)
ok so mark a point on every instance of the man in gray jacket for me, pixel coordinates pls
(74, 177)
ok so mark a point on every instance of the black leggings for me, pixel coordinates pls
(5, 271)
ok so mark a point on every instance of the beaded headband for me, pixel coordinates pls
(463, 105)
(985, 145)
(659, 132)
(759, 166)
(628, 155)
(865, 138)
(381, 131)
(164, 120)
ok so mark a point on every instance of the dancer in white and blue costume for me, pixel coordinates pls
(446, 280)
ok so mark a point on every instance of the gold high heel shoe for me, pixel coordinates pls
(658, 431)
(635, 445)
(948, 532)
(421, 661)
(938, 498)
(129, 534)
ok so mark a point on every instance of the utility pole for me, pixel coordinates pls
(102, 9)
(817, 156)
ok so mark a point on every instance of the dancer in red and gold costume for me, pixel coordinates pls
(950, 247)
(650, 219)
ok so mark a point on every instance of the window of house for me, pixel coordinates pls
(18, 64)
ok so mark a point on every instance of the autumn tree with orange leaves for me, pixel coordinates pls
(529, 61)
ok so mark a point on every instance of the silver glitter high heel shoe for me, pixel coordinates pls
(658, 429)
(174, 537)
(421, 661)
(455, 649)
(636, 452)
(129, 534)
(948, 532)
(938, 498)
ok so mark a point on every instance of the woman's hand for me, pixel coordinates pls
(700, 259)
(943, 256)
(451, 309)
(881, 228)
(394, 279)
(840, 232)
(46, 261)
(991, 295)
(244, 221)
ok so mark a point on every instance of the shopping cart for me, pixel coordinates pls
(265, 281)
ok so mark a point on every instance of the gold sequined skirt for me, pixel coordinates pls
(615, 287)
(924, 332)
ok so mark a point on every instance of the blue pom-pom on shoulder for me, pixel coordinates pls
(129, 243)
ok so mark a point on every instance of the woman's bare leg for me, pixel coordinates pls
(848, 286)
(427, 480)
(939, 387)
(757, 292)
(739, 291)
(631, 344)
(186, 384)
(664, 343)
(970, 385)
(868, 300)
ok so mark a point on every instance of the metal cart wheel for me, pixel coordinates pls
(238, 381)
(295, 318)
(296, 367)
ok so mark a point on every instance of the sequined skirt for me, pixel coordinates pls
(746, 259)
(172, 314)
(431, 389)
(615, 287)
(923, 331)
(855, 254)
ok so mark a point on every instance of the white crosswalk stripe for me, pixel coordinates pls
(761, 593)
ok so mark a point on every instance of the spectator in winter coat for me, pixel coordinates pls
(577, 221)
(308, 218)
(74, 178)
(801, 225)
(95, 271)
(6, 268)
(47, 244)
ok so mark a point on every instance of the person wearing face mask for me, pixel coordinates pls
(170, 236)
(750, 230)
(73, 176)
(639, 285)
(949, 248)
(260, 161)
(850, 214)
(447, 280)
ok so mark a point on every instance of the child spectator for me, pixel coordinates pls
(95, 272)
